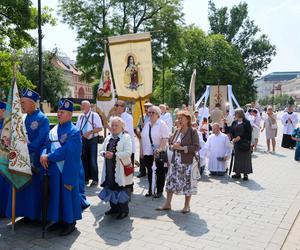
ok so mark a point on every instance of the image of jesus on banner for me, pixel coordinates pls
(132, 76)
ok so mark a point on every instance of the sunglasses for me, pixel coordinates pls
(151, 112)
(118, 105)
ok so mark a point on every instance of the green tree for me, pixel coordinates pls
(95, 20)
(54, 83)
(238, 29)
(16, 18)
(7, 61)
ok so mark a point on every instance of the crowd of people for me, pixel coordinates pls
(175, 149)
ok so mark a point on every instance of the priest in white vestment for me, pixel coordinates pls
(218, 151)
(289, 121)
(203, 113)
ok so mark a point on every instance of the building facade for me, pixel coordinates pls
(78, 88)
(274, 83)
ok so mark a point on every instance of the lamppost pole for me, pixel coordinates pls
(40, 37)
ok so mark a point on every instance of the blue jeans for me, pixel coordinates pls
(297, 153)
(89, 158)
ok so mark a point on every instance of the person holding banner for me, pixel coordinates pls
(154, 140)
(127, 118)
(29, 199)
(4, 185)
(62, 160)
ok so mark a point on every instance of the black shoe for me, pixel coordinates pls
(141, 175)
(111, 212)
(245, 177)
(25, 220)
(157, 196)
(148, 194)
(94, 184)
(122, 215)
(54, 227)
(236, 176)
(68, 228)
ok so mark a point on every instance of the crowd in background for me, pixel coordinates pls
(175, 150)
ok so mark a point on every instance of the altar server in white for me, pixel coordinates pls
(289, 121)
(218, 151)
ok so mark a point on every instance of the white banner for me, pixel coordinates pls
(106, 93)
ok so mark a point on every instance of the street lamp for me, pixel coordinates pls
(40, 37)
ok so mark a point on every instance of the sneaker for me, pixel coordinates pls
(94, 184)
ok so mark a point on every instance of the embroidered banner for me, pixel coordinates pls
(14, 155)
(106, 93)
(131, 58)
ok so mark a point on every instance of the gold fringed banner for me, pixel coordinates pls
(131, 58)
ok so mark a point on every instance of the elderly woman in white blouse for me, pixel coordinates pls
(116, 179)
(154, 136)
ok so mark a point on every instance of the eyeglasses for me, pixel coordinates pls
(118, 105)
(151, 112)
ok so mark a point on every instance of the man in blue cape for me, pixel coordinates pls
(4, 185)
(29, 199)
(62, 159)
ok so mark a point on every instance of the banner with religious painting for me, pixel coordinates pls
(218, 94)
(14, 155)
(131, 58)
(106, 93)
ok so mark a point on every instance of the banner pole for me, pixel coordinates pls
(142, 114)
(13, 210)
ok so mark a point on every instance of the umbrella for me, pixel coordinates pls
(45, 201)
(153, 184)
(231, 161)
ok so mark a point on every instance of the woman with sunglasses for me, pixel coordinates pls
(154, 140)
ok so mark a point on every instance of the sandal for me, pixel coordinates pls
(163, 209)
(185, 211)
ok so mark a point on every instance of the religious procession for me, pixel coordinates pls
(44, 171)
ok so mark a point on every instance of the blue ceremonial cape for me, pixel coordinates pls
(64, 169)
(29, 199)
(4, 186)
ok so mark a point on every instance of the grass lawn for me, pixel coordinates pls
(53, 119)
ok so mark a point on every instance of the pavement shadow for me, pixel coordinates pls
(115, 232)
(191, 223)
(29, 235)
(250, 184)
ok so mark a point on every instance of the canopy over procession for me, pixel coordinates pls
(44, 170)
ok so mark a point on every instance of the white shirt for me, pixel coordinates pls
(289, 126)
(167, 118)
(203, 112)
(127, 118)
(217, 146)
(159, 131)
(88, 122)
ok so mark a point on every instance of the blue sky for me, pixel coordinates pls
(279, 19)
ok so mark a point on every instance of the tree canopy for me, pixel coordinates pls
(233, 51)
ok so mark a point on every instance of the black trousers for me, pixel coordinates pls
(142, 166)
(89, 158)
(160, 173)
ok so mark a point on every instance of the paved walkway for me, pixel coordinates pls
(226, 214)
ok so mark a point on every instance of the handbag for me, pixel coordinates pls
(128, 168)
(274, 126)
(162, 155)
(243, 145)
